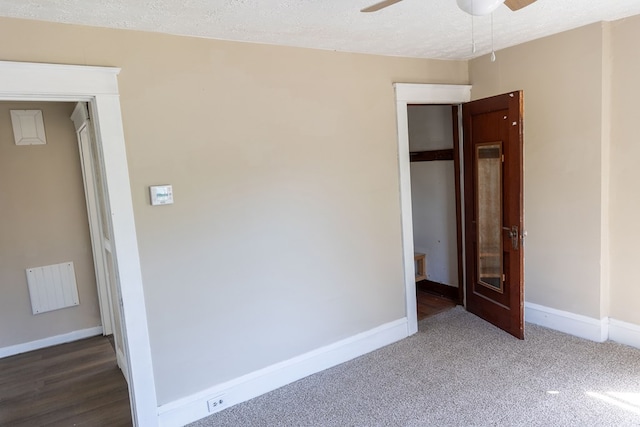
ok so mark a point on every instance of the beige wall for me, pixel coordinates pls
(625, 173)
(44, 221)
(562, 79)
(285, 232)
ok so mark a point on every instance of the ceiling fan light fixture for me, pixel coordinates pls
(479, 7)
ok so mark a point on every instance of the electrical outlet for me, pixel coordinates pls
(216, 403)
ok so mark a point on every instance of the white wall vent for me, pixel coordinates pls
(28, 127)
(52, 287)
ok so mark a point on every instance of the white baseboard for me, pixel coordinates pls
(569, 323)
(50, 341)
(624, 333)
(194, 407)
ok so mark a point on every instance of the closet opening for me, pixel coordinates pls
(436, 206)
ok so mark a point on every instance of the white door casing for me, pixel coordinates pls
(98, 86)
(406, 94)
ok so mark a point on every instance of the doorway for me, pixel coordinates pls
(49, 234)
(489, 123)
(98, 87)
(435, 171)
(416, 94)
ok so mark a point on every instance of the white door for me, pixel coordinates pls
(100, 229)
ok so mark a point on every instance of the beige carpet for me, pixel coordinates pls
(460, 371)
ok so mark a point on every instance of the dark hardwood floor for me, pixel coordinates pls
(430, 304)
(74, 384)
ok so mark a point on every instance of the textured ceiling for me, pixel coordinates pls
(413, 28)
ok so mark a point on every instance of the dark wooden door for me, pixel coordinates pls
(493, 189)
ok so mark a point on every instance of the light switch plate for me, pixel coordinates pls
(161, 195)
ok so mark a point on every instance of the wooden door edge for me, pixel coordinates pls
(456, 172)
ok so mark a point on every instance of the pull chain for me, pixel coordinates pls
(473, 37)
(493, 52)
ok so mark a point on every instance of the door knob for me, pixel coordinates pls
(514, 235)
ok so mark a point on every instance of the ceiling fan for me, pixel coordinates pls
(487, 6)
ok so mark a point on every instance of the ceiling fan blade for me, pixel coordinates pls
(380, 5)
(518, 4)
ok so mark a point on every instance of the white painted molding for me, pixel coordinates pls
(569, 323)
(64, 82)
(194, 407)
(582, 326)
(404, 167)
(410, 93)
(50, 341)
(624, 333)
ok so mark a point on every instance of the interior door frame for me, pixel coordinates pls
(98, 86)
(407, 94)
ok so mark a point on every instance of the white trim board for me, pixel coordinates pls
(598, 330)
(569, 323)
(410, 93)
(12, 350)
(624, 333)
(194, 407)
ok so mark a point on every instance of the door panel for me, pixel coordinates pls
(493, 177)
(100, 228)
